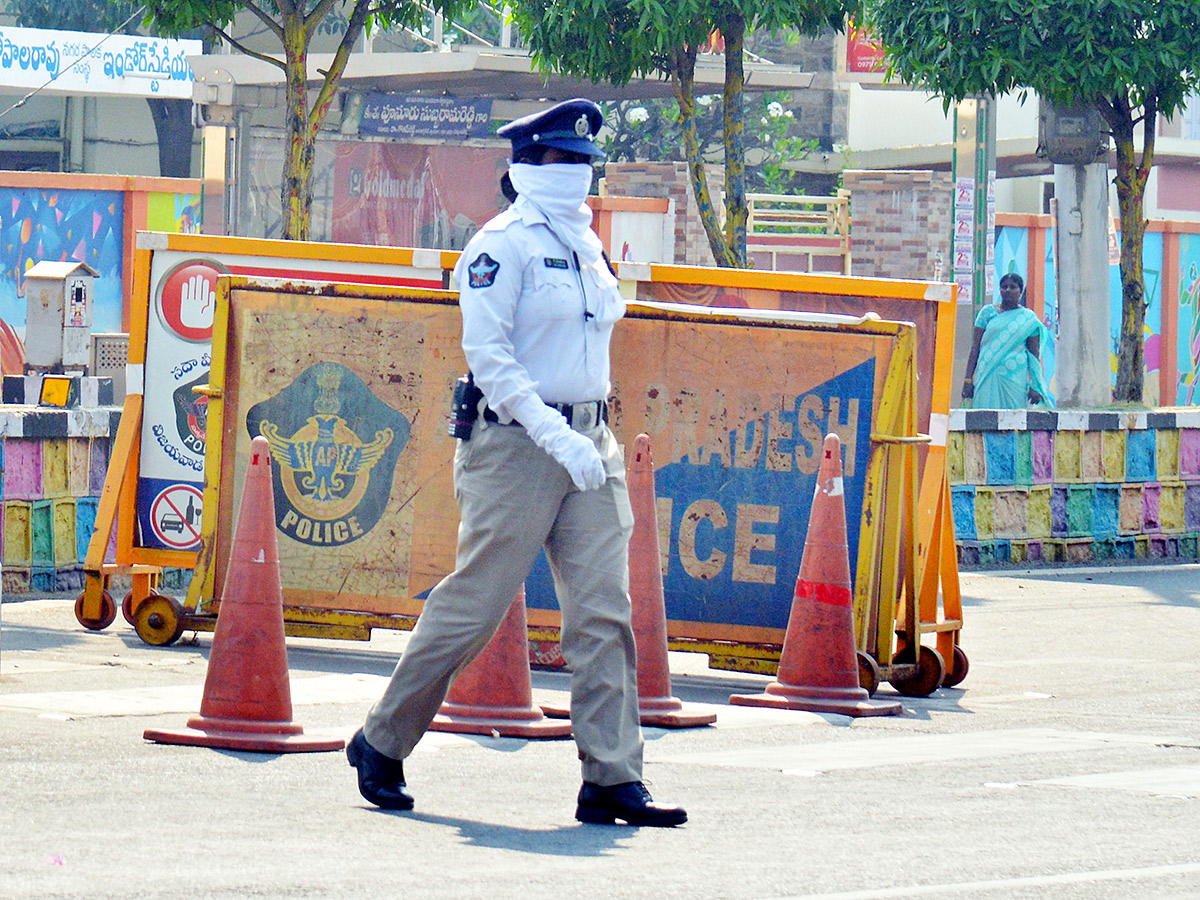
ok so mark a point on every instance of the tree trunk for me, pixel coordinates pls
(296, 191)
(733, 30)
(683, 67)
(1131, 187)
(176, 135)
(304, 123)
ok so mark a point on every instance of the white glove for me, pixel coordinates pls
(577, 453)
(580, 457)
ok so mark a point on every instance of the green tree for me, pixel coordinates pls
(650, 130)
(1130, 59)
(172, 117)
(615, 40)
(293, 23)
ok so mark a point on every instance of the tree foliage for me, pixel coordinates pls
(650, 130)
(77, 15)
(293, 23)
(616, 40)
(1130, 59)
(172, 117)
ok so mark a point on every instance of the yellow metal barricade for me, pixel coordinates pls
(736, 401)
(699, 379)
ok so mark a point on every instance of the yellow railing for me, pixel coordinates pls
(776, 218)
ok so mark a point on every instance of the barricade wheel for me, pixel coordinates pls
(868, 672)
(958, 668)
(108, 612)
(159, 620)
(127, 608)
(931, 671)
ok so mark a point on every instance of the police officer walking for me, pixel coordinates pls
(540, 469)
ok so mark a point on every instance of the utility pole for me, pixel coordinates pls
(973, 245)
(1073, 138)
(1082, 359)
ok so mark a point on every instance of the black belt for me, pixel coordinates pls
(587, 414)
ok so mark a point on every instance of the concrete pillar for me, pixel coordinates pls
(1083, 355)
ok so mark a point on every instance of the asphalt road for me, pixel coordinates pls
(1066, 765)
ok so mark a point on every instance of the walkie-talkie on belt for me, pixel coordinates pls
(464, 407)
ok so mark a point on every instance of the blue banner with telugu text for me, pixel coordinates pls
(396, 115)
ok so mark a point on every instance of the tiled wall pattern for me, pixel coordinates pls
(902, 223)
(1076, 487)
(52, 469)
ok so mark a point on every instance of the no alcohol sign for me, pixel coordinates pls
(175, 516)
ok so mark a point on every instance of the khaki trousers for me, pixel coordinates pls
(514, 499)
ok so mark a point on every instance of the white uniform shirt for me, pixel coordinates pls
(536, 329)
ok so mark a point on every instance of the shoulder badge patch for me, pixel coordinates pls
(552, 263)
(483, 271)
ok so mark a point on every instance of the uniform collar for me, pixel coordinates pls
(588, 248)
(528, 212)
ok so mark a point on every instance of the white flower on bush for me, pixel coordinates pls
(774, 109)
(705, 99)
(637, 115)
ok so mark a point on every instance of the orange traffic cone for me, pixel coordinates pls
(818, 668)
(494, 694)
(656, 706)
(247, 702)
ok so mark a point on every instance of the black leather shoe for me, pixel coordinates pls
(380, 778)
(629, 802)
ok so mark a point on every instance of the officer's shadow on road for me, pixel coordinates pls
(565, 840)
(943, 700)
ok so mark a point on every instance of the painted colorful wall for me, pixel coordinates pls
(1077, 487)
(52, 468)
(1187, 326)
(89, 218)
(1027, 487)
(1171, 259)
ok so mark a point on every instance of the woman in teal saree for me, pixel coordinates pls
(1004, 370)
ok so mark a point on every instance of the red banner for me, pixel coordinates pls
(408, 195)
(864, 54)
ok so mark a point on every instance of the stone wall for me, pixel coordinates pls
(902, 223)
(670, 180)
(1074, 487)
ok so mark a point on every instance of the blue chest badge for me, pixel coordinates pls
(552, 263)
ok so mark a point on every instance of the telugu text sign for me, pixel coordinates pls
(81, 62)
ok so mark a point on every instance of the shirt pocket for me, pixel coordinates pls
(608, 305)
(553, 293)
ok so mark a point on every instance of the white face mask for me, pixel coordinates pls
(558, 185)
(559, 191)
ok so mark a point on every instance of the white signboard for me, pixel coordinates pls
(81, 62)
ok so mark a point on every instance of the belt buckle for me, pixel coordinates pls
(583, 416)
